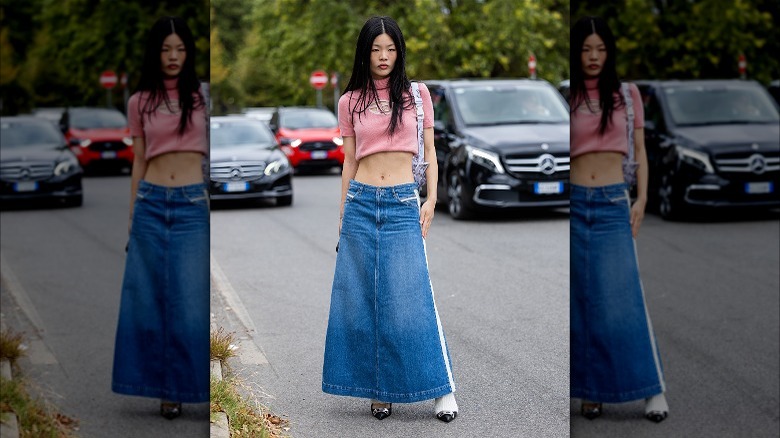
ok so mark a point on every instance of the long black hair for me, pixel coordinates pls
(152, 75)
(609, 84)
(361, 81)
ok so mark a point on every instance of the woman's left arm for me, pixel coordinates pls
(638, 209)
(431, 177)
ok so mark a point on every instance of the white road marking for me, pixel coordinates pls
(38, 352)
(248, 351)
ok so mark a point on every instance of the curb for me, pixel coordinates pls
(219, 427)
(9, 427)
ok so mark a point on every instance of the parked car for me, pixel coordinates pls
(310, 137)
(262, 113)
(36, 163)
(500, 143)
(52, 114)
(246, 162)
(565, 88)
(711, 143)
(774, 90)
(98, 137)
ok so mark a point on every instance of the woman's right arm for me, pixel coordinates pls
(139, 170)
(347, 173)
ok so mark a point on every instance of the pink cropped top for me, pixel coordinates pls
(370, 127)
(161, 132)
(585, 136)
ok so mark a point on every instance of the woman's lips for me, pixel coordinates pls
(593, 66)
(173, 66)
(383, 66)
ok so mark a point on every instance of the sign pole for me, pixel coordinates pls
(108, 95)
(334, 80)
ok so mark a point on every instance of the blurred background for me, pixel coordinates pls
(53, 53)
(667, 39)
(263, 51)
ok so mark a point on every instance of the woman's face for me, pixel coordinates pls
(383, 56)
(594, 54)
(172, 55)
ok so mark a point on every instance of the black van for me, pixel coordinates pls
(500, 143)
(711, 143)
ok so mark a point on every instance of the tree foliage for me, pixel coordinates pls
(282, 41)
(665, 39)
(60, 47)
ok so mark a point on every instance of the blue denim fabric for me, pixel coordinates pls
(384, 338)
(162, 340)
(614, 357)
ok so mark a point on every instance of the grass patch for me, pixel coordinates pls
(10, 346)
(222, 345)
(35, 420)
(245, 420)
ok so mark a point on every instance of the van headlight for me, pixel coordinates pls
(485, 158)
(695, 158)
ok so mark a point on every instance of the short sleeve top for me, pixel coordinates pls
(370, 127)
(161, 131)
(585, 120)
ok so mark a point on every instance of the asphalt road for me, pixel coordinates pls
(502, 293)
(712, 289)
(62, 274)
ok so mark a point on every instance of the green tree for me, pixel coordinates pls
(691, 39)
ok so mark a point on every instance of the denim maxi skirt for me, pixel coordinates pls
(162, 340)
(614, 357)
(384, 338)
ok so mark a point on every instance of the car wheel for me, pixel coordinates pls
(284, 201)
(457, 199)
(670, 203)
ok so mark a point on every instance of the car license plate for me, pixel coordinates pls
(26, 186)
(240, 186)
(548, 188)
(759, 187)
(319, 155)
(108, 154)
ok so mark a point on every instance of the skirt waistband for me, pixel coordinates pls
(610, 191)
(154, 189)
(398, 189)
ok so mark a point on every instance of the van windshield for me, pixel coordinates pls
(510, 104)
(711, 105)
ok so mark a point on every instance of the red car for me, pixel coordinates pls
(309, 137)
(98, 137)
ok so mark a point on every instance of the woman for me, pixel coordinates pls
(614, 357)
(384, 339)
(162, 341)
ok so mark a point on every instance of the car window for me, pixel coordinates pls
(441, 110)
(240, 133)
(510, 104)
(304, 119)
(96, 119)
(13, 135)
(712, 105)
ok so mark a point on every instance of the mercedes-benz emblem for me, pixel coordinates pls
(757, 164)
(547, 164)
(25, 173)
(545, 146)
(235, 173)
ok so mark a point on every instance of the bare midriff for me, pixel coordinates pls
(385, 169)
(596, 169)
(175, 169)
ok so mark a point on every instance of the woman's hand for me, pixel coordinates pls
(637, 214)
(426, 215)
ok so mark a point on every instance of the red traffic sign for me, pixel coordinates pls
(334, 79)
(742, 64)
(108, 79)
(123, 80)
(532, 64)
(318, 79)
